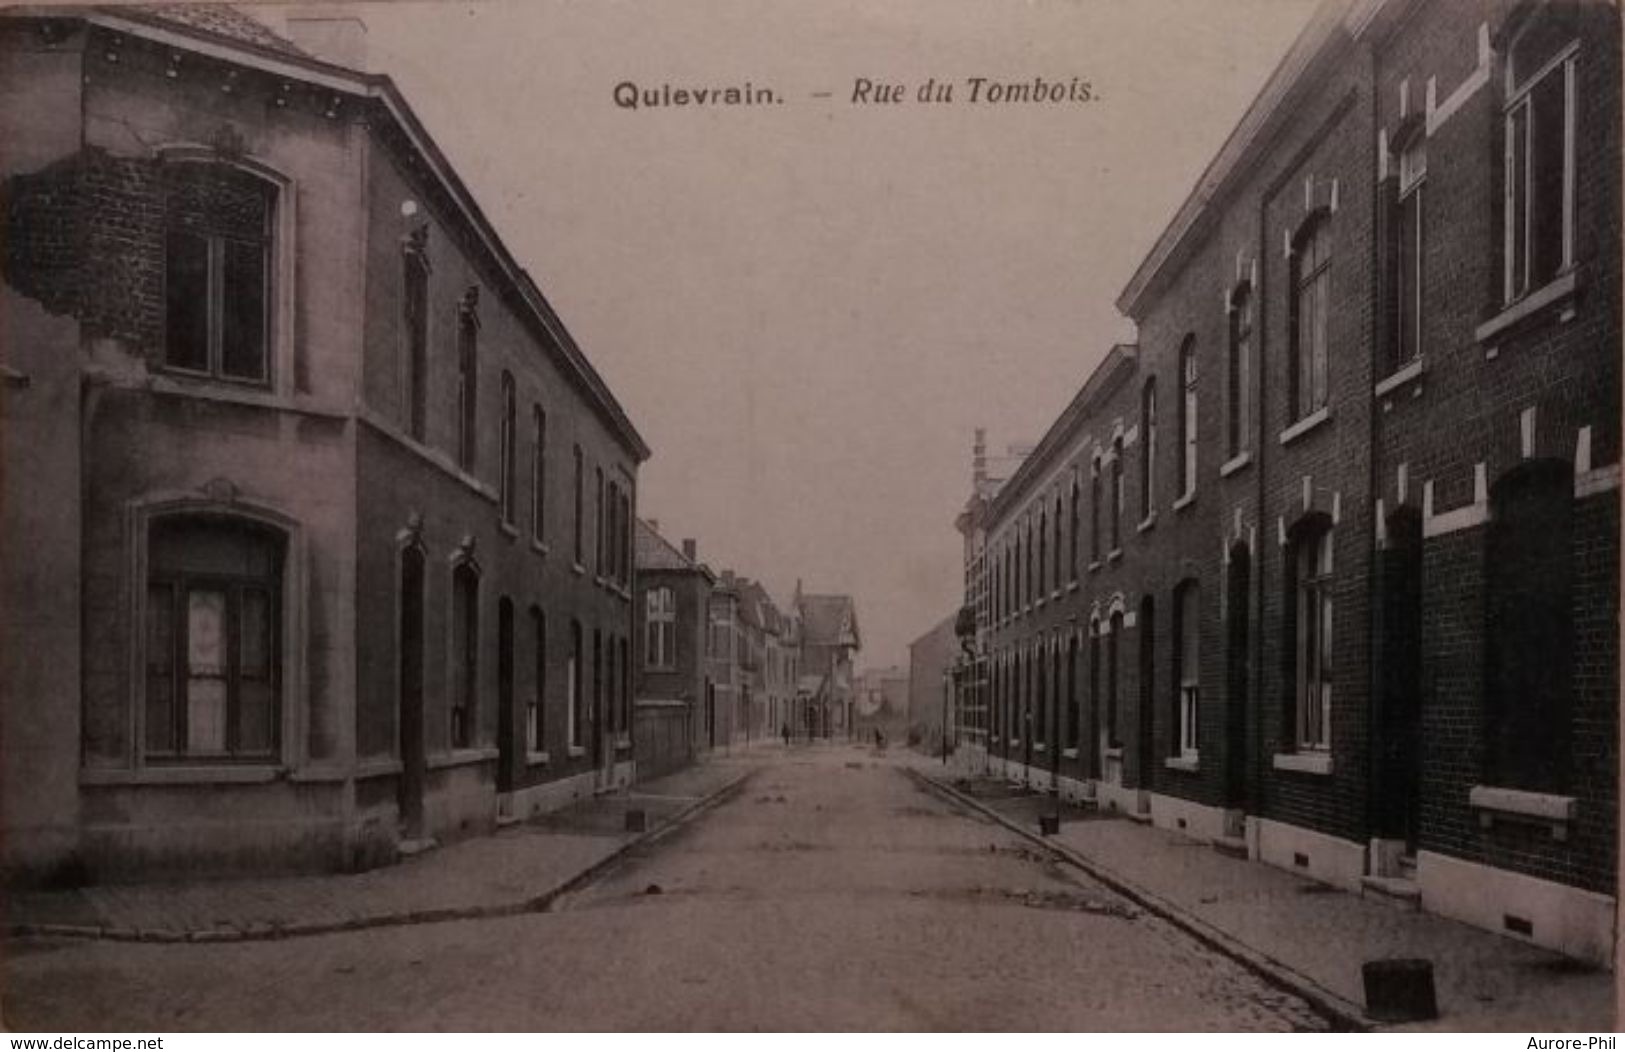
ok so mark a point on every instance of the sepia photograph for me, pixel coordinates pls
(859, 516)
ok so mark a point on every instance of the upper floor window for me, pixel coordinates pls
(213, 640)
(660, 629)
(468, 380)
(1094, 511)
(1043, 553)
(509, 480)
(1539, 182)
(1187, 417)
(1238, 379)
(415, 264)
(580, 500)
(538, 473)
(1117, 494)
(1405, 262)
(1055, 527)
(1312, 649)
(1148, 437)
(1074, 526)
(1187, 668)
(599, 525)
(217, 271)
(1311, 288)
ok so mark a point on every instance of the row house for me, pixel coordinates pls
(1325, 568)
(329, 519)
(829, 645)
(672, 682)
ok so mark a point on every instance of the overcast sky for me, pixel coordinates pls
(807, 308)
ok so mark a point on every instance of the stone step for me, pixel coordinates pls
(1396, 891)
(409, 848)
(1232, 846)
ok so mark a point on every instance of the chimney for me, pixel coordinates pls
(691, 551)
(978, 459)
(330, 32)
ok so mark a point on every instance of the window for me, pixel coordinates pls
(213, 640)
(217, 251)
(1055, 525)
(510, 424)
(538, 473)
(1043, 554)
(1114, 680)
(1405, 261)
(596, 713)
(1528, 703)
(1148, 457)
(1028, 581)
(598, 522)
(1117, 494)
(465, 634)
(572, 679)
(1312, 652)
(1094, 511)
(468, 379)
(1311, 286)
(1187, 417)
(1074, 526)
(1040, 706)
(415, 263)
(1187, 668)
(1540, 142)
(1238, 423)
(536, 708)
(1072, 706)
(579, 501)
(660, 629)
(626, 687)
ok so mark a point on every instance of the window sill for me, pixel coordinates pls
(462, 757)
(1114, 555)
(1554, 292)
(575, 752)
(1069, 754)
(1146, 523)
(1235, 464)
(1056, 595)
(539, 547)
(509, 529)
(660, 668)
(1185, 500)
(1412, 370)
(1114, 753)
(623, 744)
(578, 569)
(180, 774)
(1520, 805)
(378, 768)
(538, 759)
(1014, 743)
(1303, 762)
(1038, 747)
(1040, 604)
(1182, 763)
(1306, 425)
(1073, 587)
(1093, 566)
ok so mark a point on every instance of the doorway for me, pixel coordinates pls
(1236, 608)
(409, 674)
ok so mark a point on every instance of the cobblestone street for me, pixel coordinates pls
(832, 893)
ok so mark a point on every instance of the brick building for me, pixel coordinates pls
(329, 520)
(674, 602)
(931, 662)
(1324, 569)
(829, 643)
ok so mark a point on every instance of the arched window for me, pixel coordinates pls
(1148, 455)
(415, 265)
(1055, 566)
(1117, 494)
(1542, 96)
(1043, 554)
(1187, 417)
(465, 650)
(1311, 569)
(1403, 242)
(1311, 296)
(213, 639)
(1187, 669)
(578, 489)
(1074, 526)
(1529, 644)
(509, 480)
(1114, 679)
(1094, 511)
(1238, 378)
(218, 226)
(1073, 703)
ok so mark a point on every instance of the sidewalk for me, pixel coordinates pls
(519, 869)
(1313, 936)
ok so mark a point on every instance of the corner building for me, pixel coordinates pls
(331, 518)
(1325, 569)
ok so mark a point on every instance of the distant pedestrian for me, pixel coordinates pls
(784, 730)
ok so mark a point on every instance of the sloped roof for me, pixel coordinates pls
(829, 620)
(654, 552)
(221, 20)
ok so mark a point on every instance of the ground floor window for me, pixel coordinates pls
(213, 639)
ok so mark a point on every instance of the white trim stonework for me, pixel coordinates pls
(1570, 920)
(1320, 856)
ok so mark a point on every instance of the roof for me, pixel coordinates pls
(943, 629)
(1333, 22)
(654, 552)
(221, 20)
(829, 620)
(756, 607)
(208, 29)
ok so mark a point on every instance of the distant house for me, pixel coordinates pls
(673, 602)
(829, 641)
(931, 661)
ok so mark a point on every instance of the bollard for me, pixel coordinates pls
(637, 821)
(1400, 990)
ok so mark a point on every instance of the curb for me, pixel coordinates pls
(1336, 1009)
(540, 903)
